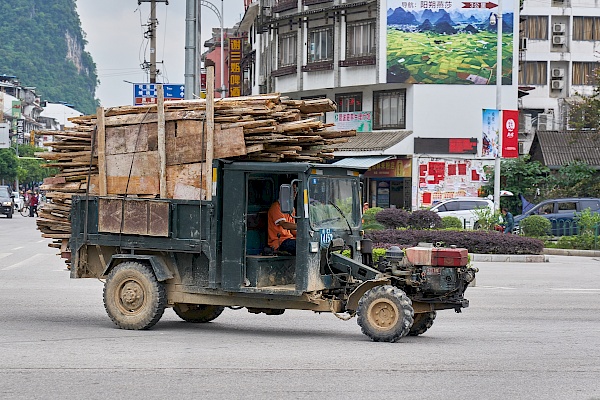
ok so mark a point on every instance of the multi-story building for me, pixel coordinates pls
(561, 40)
(412, 77)
(20, 107)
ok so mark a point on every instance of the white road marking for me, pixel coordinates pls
(575, 290)
(2, 255)
(25, 262)
(17, 248)
(42, 241)
(496, 287)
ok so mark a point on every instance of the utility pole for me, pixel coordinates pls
(151, 34)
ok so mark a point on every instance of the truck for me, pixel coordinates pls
(202, 256)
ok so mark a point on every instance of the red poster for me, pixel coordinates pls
(474, 176)
(422, 170)
(462, 169)
(510, 133)
(451, 169)
(426, 198)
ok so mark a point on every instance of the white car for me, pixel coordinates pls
(18, 200)
(463, 208)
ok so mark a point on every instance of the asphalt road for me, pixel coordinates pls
(532, 332)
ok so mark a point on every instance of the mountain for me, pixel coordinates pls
(41, 42)
(401, 17)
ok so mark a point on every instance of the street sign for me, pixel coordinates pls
(4, 136)
(479, 4)
(147, 93)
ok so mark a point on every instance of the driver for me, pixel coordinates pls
(282, 228)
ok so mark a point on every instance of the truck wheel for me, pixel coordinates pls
(385, 314)
(197, 312)
(423, 322)
(133, 298)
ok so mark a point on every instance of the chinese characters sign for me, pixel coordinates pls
(399, 168)
(235, 66)
(360, 121)
(510, 133)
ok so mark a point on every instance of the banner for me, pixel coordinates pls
(235, 66)
(510, 133)
(360, 121)
(490, 134)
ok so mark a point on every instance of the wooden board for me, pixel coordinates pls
(144, 173)
(140, 217)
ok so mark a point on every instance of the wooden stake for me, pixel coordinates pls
(162, 146)
(210, 129)
(101, 151)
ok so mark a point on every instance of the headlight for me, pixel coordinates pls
(7, 203)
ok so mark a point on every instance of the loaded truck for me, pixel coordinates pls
(202, 256)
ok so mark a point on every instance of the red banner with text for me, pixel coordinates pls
(510, 133)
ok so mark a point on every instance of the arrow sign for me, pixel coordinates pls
(478, 4)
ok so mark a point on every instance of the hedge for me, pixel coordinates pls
(481, 242)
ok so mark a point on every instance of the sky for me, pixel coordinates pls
(115, 36)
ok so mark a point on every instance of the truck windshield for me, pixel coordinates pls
(333, 203)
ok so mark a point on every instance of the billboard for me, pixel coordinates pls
(510, 133)
(447, 42)
(490, 133)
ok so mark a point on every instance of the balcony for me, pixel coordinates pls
(285, 5)
(289, 70)
(318, 66)
(358, 61)
(311, 2)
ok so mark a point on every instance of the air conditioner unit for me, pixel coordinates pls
(557, 85)
(559, 28)
(545, 122)
(558, 72)
(559, 40)
(523, 43)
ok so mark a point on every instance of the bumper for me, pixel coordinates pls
(6, 210)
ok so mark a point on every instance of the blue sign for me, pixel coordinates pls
(326, 235)
(147, 93)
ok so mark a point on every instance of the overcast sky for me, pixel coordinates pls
(115, 36)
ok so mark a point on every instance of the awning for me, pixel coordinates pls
(361, 162)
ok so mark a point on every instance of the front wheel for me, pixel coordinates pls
(422, 323)
(197, 312)
(24, 211)
(133, 298)
(385, 314)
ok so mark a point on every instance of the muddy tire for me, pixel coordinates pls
(385, 314)
(422, 322)
(197, 313)
(133, 298)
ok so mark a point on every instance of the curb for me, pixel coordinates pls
(516, 258)
(572, 252)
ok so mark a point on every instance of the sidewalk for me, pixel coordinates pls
(528, 258)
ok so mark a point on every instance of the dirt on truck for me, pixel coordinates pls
(190, 231)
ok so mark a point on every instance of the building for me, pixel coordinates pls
(20, 107)
(412, 77)
(560, 41)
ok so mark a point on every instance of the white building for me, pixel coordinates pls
(414, 76)
(562, 40)
(60, 112)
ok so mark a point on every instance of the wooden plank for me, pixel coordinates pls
(144, 173)
(101, 132)
(130, 138)
(210, 125)
(183, 182)
(229, 142)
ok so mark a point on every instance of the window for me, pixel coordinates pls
(567, 206)
(390, 109)
(584, 73)
(360, 38)
(348, 102)
(320, 45)
(536, 27)
(287, 50)
(533, 73)
(586, 28)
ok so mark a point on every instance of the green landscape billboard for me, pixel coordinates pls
(447, 42)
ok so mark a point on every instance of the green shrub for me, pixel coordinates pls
(392, 218)
(451, 223)
(487, 219)
(585, 241)
(587, 221)
(535, 226)
(424, 219)
(369, 215)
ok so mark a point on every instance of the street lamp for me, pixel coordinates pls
(497, 19)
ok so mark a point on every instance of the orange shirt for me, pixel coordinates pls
(274, 217)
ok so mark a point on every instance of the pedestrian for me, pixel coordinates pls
(33, 203)
(509, 221)
(365, 207)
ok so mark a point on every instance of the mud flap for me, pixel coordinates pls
(161, 271)
(354, 297)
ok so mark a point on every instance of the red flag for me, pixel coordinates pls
(510, 133)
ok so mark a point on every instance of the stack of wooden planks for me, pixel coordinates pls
(116, 151)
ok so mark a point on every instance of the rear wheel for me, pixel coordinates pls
(422, 323)
(385, 314)
(10, 213)
(197, 312)
(24, 211)
(133, 298)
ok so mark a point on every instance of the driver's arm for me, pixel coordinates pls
(291, 226)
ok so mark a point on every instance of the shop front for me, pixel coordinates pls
(388, 184)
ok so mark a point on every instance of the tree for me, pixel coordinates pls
(8, 165)
(584, 111)
(519, 175)
(30, 170)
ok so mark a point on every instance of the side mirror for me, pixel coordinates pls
(286, 199)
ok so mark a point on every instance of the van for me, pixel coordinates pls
(561, 213)
(463, 208)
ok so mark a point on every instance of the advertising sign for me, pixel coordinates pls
(360, 121)
(447, 42)
(510, 133)
(235, 66)
(4, 136)
(490, 133)
(399, 168)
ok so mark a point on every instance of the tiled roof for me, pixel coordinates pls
(373, 141)
(555, 149)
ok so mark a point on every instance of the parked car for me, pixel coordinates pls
(463, 208)
(6, 201)
(18, 200)
(561, 213)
